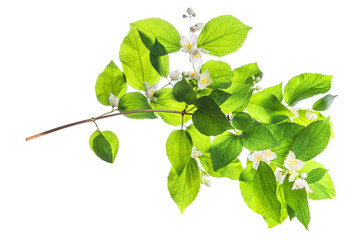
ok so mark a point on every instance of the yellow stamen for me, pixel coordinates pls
(187, 45)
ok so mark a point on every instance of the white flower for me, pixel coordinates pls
(295, 112)
(188, 45)
(150, 91)
(269, 155)
(175, 75)
(190, 11)
(196, 154)
(301, 183)
(310, 115)
(205, 79)
(256, 157)
(113, 101)
(292, 163)
(303, 175)
(196, 56)
(293, 175)
(280, 176)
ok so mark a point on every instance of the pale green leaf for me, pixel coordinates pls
(220, 73)
(231, 171)
(200, 141)
(135, 101)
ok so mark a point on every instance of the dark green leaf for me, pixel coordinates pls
(316, 175)
(266, 108)
(223, 35)
(209, 119)
(183, 92)
(178, 149)
(312, 140)
(219, 96)
(231, 171)
(224, 149)
(304, 86)
(135, 101)
(159, 59)
(220, 73)
(290, 212)
(258, 138)
(184, 188)
(105, 145)
(243, 121)
(258, 188)
(200, 141)
(324, 103)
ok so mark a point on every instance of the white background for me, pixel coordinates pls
(54, 187)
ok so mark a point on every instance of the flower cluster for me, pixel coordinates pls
(257, 156)
(310, 114)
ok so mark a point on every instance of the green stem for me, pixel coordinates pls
(278, 164)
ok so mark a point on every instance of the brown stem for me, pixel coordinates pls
(101, 117)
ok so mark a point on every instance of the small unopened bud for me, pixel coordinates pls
(190, 11)
(202, 181)
(174, 75)
(207, 183)
(253, 77)
(193, 29)
(258, 79)
(194, 14)
(303, 175)
(258, 88)
(199, 25)
(184, 16)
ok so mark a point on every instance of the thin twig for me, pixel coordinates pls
(102, 117)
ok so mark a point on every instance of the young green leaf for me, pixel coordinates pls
(258, 138)
(243, 121)
(304, 86)
(284, 214)
(208, 118)
(105, 145)
(231, 171)
(324, 103)
(322, 189)
(258, 188)
(312, 140)
(239, 100)
(266, 108)
(183, 92)
(316, 175)
(163, 31)
(220, 73)
(297, 200)
(111, 80)
(276, 91)
(184, 188)
(135, 59)
(219, 96)
(159, 60)
(165, 100)
(223, 35)
(243, 75)
(135, 101)
(200, 141)
(178, 149)
(224, 149)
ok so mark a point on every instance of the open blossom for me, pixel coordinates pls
(113, 100)
(175, 75)
(205, 79)
(310, 115)
(150, 91)
(292, 163)
(188, 44)
(269, 155)
(301, 183)
(196, 154)
(196, 56)
(280, 176)
(295, 112)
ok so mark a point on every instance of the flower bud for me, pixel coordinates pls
(190, 11)
(207, 183)
(194, 15)
(258, 79)
(258, 88)
(303, 175)
(174, 75)
(199, 25)
(193, 29)
(184, 16)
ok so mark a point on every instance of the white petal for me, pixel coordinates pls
(183, 40)
(303, 175)
(290, 156)
(256, 165)
(292, 177)
(203, 50)
(299, 164)
(205, 73)
(251, 157)
(193, 39)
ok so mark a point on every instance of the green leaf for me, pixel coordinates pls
(316, 175)
(285, 133)
(258, 138)
(220, 73)
(284, 214)
(135, 59)
(304, 86)
(111, 80)
(266, 108)
(105, 145)
(322, 189)
(276, 91)
(243, 121)
(297, 200)
(219, 96)
(159, 60)
(135, 101)
(208, 118)
(178, 149)
(184, 188)
(165, 100)
(231, 171)
(242, 75)
(258, 188)
(239, 100)
(183, 92)
(224, 149)
(222, 35)
(290, 212)
(312, 140)
(163, 31)
(200, 141)
(324, 103)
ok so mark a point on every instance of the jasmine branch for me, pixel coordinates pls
(102, 117)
